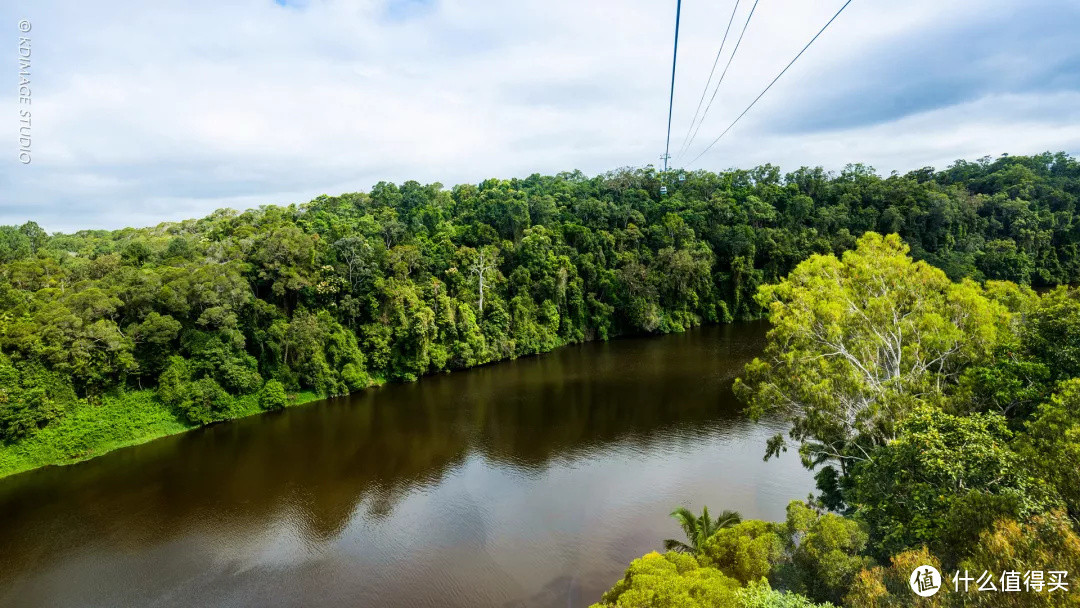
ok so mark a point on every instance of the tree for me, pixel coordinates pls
(199, 400)
(285, 260)
(272, 396)
(357, 255)
(1019, 546)
(699, 529)
(760, 595)
(673, 580)
(888, 587)
(747, 551)
(1052, 332)
(484, 260)
(35, 235)
(30, 398)
(205, 401)
(826, 552)
(857, 342)
(1051, 444)
(154, 340)
(14, 244)
(956, 475)
(429, 279)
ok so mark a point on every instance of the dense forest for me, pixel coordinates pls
(112, 337)
(943, 420)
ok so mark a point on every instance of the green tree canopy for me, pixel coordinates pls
(857, 341)
(942, 481)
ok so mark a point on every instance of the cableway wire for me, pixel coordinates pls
(705, 91)
(760, 95)
(671, 99)
(719, 82)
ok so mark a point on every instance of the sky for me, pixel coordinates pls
(144, 112)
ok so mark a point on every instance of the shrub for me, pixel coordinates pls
(272, 396)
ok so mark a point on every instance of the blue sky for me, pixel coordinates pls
(146, 112)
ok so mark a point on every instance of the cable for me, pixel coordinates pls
(671, 99)
(760, 95)
(718, 82)
(705, 91)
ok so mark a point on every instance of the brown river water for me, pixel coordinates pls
(527, 483)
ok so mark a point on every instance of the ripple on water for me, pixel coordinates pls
(532, 483)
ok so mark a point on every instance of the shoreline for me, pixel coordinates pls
(39, 452)
(24, 457)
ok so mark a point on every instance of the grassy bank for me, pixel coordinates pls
(87, 431)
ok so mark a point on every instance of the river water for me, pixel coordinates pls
(527, 483)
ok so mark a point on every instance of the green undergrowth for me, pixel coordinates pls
(120, 420)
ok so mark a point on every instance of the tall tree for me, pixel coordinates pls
(857, 341)
(484, 260)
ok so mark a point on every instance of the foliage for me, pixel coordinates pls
(888, 587)
(699, 529)
(964, 461)
(760, 595)
(1011, 384)
(747, 551)
(813, 555)
(857, 342)
(30, 398)
(1053, 331)
(672, 580)
(405, 280)
(1051, 445)
(941, 482)
(678, 580)
(826, 552)
(1046, 542)
(272, 396)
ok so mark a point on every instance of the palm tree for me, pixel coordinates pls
(699, 529)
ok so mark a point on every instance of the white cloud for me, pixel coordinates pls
(154, 111)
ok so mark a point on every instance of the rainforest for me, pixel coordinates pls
(923, 342)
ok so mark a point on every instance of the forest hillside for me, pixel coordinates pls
(109, 338)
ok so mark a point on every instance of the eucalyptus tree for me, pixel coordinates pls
(857, 341)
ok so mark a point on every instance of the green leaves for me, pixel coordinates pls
(671, 581)
(272, 396)
(699, 529)
(30, 398)
(746, 551)
(857, 342)
(1051, 445)
(334, 294)
(733, 562)
(199, 400)
(943, 480)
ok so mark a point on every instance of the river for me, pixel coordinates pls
(527, 483)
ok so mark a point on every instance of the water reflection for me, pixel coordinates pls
(525, 483)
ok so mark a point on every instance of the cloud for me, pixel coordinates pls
(399, 10)
(1014, 51)
(145, 112)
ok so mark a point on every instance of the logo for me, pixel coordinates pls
(925, 581)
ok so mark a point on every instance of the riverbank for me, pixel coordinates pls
(553, 471)
(135, 417)
(87, 431)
